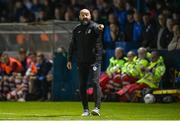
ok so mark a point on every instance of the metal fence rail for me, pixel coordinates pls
(45, 37)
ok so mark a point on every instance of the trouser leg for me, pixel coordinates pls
(83, 78)
(95, 72)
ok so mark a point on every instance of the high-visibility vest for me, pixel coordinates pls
(115, 63)
(152, 78)
(140, 63)
(8, 68)
(32, 69)
(129, 68)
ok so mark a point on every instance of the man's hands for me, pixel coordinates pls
(69, 65)
(100, 27)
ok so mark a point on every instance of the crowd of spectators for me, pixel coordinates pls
(148, 23)
(126, 75)
(25, 77)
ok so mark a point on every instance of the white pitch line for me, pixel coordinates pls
(7, 114)
(14, 119)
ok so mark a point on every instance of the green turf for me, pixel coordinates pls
(72, 111)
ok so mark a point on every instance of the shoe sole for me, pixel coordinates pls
(95, 113)
(85, 115)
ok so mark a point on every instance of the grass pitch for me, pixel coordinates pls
(72, 111)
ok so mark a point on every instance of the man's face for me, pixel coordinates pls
(85, 16)
(161, 20)
(154, 57)
(130, 17)
(118, 53)
(141, 53)
(114, 28)
(130, 56)
(176, 30)
(111, 18)
(169, 24)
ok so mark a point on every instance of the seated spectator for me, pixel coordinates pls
(163, 37)
(133, 73)
(112, 19)
(103, 7)
(96, 16)
(137, 28)
(176, 17)
(151, 79)
(129, 26)
(108, 41)
(11, 70)
(115, 65)
(114, 36)
(36, 7)
(120, 12)
(129, 72)
(18, 10)
(41, 16)
(175, 43)
(141, 61)
(18, 88)
(115, 33)
(48, 8)
(148, 40)
(170, 24)
(11, 65)
(69, 14)
(59, 13)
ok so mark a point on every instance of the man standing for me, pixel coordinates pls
(86, 45)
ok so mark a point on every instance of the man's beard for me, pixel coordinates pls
(85, 22)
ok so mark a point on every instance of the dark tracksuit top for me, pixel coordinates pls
(86, 45)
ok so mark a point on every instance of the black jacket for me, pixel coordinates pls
(165, 38)
(43, 69)
(149, 36)
(86, 43)
(129, 31)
